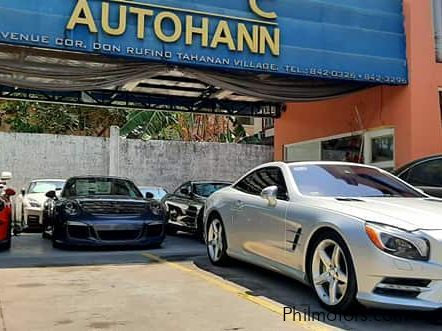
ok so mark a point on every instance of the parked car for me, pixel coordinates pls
(103, 211)
(425, 174)
(29, 204)
(5, 212)
(354, 233)
(185, 206)
(153, 192)
(5, 218)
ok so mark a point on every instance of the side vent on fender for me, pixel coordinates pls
(297, 235)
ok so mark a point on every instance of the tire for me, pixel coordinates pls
(331, 273)
(217, 242)
(55, 244)
(45, 235)
(171, 231)
(7, 245)
(199, 234)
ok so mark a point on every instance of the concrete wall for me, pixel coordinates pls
(169, 164)
(164, 163)
(35, 156)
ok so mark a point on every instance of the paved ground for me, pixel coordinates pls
(173, 288)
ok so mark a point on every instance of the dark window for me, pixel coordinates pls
(43, 187)
(440, 106)
(404, 175)
(207, 189)
(186, 186)
(437, 22)
(249, 185)
(427, 174)
(348, 149)
(382, 149)
(78, 187)
(348, 181)
(262, 178)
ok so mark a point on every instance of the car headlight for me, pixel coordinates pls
(71, 208)
(398, 242)
(34, 203)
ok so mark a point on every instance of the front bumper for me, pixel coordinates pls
(386, 281)
(76, 233)
(33, 218)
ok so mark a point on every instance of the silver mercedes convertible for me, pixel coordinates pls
(355, 233)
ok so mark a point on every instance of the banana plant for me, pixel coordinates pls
(150, 125)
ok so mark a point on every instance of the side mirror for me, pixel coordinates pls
(9, 192)
(271, 195)
(23, 192)
(51, 195)
(5, 175)
(184, 191)
(149, 195)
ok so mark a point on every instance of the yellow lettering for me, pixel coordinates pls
(266, 40)
(244, 35)
(105, 20)
(223, 35)
(141, 19)
(258, 11)
(158, 25)
(82, 14)
(203, 31)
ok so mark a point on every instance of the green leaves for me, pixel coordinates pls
(38, 117)
(150, 125)
(30, 117)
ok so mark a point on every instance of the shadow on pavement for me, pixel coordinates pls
(290, 293)
(31, 251)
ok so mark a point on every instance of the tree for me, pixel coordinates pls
(37, 117)
(182, 126)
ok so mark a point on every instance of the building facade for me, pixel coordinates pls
(386, 126)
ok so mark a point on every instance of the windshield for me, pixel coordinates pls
(158, 193)
(80, 187)
(44, 187)
(207, 189)
(349, 181)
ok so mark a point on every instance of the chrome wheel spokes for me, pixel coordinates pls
(330, 272)
(215, 240)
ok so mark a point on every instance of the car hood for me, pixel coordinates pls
(410, 214)
(39, 197)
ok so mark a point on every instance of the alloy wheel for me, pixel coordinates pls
(215, 242)
(330, 272)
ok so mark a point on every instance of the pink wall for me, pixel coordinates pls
(413, 111)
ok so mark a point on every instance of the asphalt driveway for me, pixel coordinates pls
(173, 288)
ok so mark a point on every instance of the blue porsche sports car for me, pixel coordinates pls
(102, 211)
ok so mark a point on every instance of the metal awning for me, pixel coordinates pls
(166, 90)
(28, 73)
